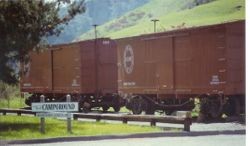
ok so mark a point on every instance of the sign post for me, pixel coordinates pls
(42, 119)
(69, 129)
(54, 109)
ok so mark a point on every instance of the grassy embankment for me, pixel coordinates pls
(172, 15)
(25, 127)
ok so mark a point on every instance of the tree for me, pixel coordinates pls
(25, 25)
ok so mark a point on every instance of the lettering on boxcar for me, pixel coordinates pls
(105, 42)
(215, 80)
(128, 59)
(27, 84)
(74, 83)
(129, 83)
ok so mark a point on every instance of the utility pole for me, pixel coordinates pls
(95, 25)
(155, 20)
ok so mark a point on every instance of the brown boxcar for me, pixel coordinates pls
(87, 70)
(36, 75)
(163, 70)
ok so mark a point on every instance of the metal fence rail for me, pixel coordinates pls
(17, 111)
(153, 119)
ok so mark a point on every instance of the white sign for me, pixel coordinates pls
(59, 115)
(54, 107)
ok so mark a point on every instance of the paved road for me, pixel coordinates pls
(216, 140)
(194, 127)
(205, 140)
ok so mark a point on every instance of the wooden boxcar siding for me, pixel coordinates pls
(205, 61)
(235, 37)
(88, 67)
(66, 69)
(99, 69)
(132, 65)
(71, 68)
(36, 75)
(158, 55)
(107, 72)
(183, 62)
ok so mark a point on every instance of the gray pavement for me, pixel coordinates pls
(194, 127)
(215, 140)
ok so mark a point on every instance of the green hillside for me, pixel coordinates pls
(173, 14)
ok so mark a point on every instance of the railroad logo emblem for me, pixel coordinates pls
(128, 59)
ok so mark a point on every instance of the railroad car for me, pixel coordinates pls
(160, 71)
(166, 71)
(86, 70)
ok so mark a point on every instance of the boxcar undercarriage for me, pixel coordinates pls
(210, 106)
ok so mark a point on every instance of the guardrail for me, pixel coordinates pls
(17, 111)
(186, 119)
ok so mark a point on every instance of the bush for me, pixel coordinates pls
(9, 95)
(5, 90)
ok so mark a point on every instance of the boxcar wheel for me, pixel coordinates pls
(28, 101)
(150, 109)
(86, 107)
(215, 109)
(105, 108)
(167, 112)
(204, 110)
(116, 108)
(137, 104)
(85, 110)
(232, 107)
(210, 108)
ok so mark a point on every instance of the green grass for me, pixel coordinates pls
(25, 127)
(149, 12)
(14, 102)
(171, 14)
